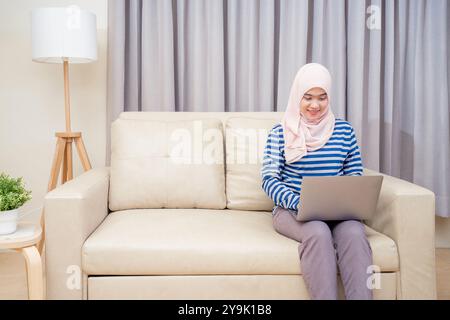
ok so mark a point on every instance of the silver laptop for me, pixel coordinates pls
(338, 197)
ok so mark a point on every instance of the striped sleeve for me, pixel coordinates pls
(273, 163)
(352, 163)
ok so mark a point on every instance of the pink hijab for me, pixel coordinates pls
(301, 135)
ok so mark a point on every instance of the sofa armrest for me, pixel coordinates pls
(406, 213)
(72, 212)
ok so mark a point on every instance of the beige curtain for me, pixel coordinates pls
(389, 61)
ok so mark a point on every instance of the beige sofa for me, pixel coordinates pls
(161, 223)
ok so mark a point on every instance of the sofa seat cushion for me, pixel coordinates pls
(201, 241)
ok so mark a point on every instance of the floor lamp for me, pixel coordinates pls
(64, 35)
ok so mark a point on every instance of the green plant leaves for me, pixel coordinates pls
(12, 192)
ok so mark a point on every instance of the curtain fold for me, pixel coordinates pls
(389, 61)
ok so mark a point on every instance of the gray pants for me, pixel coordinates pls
(325, 246)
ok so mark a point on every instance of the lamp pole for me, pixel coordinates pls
(67, 93)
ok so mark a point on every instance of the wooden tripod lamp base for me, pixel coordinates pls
(63, 157)
(62, 163)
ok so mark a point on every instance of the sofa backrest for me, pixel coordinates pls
(189, 160)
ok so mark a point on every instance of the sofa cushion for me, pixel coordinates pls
(245, 139)
(167, 164)
(200, 241)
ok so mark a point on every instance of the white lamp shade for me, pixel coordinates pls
(63, 33)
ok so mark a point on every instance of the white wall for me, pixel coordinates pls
(32, 99)
(442, 232)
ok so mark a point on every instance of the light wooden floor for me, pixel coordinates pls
(443, 273)
(13, 283)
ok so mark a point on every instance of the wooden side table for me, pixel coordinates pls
(24, 240)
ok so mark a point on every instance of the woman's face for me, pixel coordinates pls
(314, 103)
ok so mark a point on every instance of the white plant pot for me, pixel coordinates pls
(8, 221)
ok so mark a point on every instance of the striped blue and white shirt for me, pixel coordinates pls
(282, 182)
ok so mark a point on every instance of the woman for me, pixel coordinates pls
(309, 141)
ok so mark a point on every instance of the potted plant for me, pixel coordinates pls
(12, 196)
